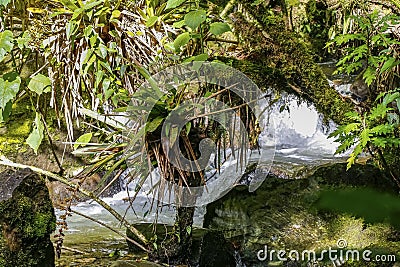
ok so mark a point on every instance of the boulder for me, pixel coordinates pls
(26, 222)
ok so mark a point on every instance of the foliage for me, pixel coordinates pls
(377, 129)
(363, 49)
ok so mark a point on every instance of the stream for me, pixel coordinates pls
(301, 139)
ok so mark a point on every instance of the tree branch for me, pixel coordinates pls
(4, 161)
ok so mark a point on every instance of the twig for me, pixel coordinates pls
(73, 250)
(108, 227)
(4, 161)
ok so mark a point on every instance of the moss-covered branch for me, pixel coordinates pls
(278, 58)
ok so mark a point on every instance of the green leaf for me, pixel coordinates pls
(369, 75)
(70, 4)
(181, 40)
(153, 125)
(389, 64)
(40, 84)
(35, 138)
(218, 28)
(364, 137)
(4, 2)
(174, 3)
(6, 112)
(179, 24)
(151, 21)
(8, 90)
(71, 28)
(102, 51)
(6, 43)
(83, 140)
(194, 18)
(23, 41)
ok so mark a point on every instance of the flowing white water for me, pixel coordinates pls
(300, 139)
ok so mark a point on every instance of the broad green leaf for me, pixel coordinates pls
(174, 3)
(83, 140)
(35, 138)
(40, 84)
(4, 2)
(218, 28)
(151, 21)
(102, 51)
(23, 41)
(6, 43)
(181, 40)
(8, 90)
(194, 18)
(116, 14)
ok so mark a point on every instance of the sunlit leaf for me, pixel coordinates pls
(389, 64)
(174, 3)
(83, 140)
(8, 90)
(6, 43)
(4, 2)
(24, 40)
(151, 21)
(36, 10)
(218, 28)
(181, 40)
(194, 18)
(40, 84)
(36, 136)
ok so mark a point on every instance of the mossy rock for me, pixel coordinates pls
(281, 214)
(27, 220)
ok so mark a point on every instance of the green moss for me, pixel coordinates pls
(278, 58)
(14, 132)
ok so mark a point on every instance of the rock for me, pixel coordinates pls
(216, 251)
(27, 220)
(280, 214)
(359, 88)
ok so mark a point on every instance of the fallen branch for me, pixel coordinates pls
(108, 227)
(6, 162)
